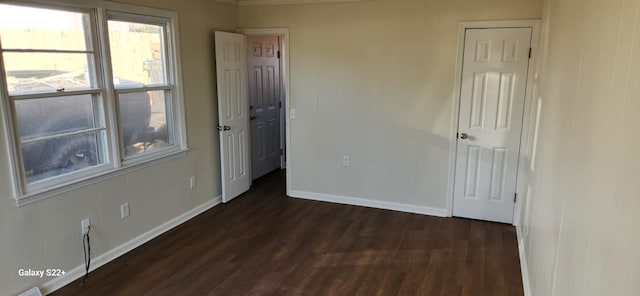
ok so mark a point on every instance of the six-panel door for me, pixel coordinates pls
(231, 67)
(492, 96)
(265, 94)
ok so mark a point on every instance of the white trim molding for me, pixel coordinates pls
(78, 271)
(357, 201)
(524, 268)
(462, 27)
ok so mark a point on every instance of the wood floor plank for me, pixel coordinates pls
(264, 243)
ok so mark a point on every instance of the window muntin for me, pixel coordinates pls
(65, 73)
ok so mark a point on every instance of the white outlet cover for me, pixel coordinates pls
(84, 224)
(192, 182)
(292, 113)
(346, 161)
(124, 210)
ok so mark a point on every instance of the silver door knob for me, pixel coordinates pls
(224, 127)
(464, 136)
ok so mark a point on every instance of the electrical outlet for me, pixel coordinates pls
(84, 224)
(124, 210)
(346, 161)
(292, 113)
(192, 182)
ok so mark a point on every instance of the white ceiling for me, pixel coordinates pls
(280, 2)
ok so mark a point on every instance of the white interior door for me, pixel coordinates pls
(492, 96)
(231, 67)
(265, 95)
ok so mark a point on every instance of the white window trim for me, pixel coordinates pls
(167, 19)
(32, 197)
(116, 166)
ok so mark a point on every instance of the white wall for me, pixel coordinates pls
(581, 227)
(46, 234)
(375, 80)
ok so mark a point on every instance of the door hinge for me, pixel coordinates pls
(530, 51)
(280, 104)
(515, 197)
(278, 54)
(281, 152)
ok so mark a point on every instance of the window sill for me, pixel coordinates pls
(32, 197)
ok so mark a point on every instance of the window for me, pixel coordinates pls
(87, 91)
(139, 63)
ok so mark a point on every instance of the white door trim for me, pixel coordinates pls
(526, 126)
(287, 89)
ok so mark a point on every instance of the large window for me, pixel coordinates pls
(87, 91)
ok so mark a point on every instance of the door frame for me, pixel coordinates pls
(285, 142)
(525, 152)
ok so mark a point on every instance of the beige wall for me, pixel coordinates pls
(374, 80)
(581, 235)
(46, 234)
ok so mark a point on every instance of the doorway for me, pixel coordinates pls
(492, 88)
(236, 114)
(266, 101)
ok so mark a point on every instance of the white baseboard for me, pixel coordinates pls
(77, 272)
(524, 269)
(356, 201)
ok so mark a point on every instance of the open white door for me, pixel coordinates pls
(233, 126)
(492, 96)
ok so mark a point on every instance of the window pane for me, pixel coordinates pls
(52, 157)
(52, 116)
(143, 121)
(137, 53)
(42, 72)
(35, 28)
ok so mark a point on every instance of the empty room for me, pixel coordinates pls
(319, 147)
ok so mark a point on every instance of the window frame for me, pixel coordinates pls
(115, 163)
(168, 87)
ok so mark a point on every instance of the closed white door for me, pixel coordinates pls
(233, 126)
(265, 94)
(492, 96)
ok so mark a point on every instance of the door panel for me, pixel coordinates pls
(233, 116)
(492, 96)
(265, 93)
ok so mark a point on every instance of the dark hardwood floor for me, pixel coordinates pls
(263, 243)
